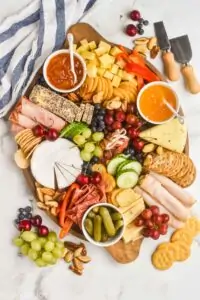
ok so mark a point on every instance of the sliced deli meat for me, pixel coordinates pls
(149, 200)
(21, 120)
(15, 128)
(171, 135)
(174, 189)
(162, 196)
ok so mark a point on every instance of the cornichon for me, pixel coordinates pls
(95, 209)
(91, 215)
(119, 224)
(73, 129)
(107, 221)
(97, 228)
(104, 235)
(116, 216)
(89, 226)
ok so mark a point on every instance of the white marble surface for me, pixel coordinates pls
(103, 278)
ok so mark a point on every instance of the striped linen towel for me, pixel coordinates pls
(28, 37)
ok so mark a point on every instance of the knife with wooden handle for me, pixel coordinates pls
(171, 68)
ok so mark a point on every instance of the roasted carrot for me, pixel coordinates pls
(67, 226)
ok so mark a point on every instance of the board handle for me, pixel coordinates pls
(170, 66)
(190, 79)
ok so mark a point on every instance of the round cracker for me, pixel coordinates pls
(162, 259)
(188, 179)
(182, 250)
(95, 83)
(21, 133)
(26, 136)
(182, 235)
(20, 160)
(31, 152)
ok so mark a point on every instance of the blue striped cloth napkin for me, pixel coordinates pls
(28, 37)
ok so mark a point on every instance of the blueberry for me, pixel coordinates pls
(133, 156)
(28, 209)
(146, 22)
(21, 216)
(127, 151)
(100, 117)
(21, 210)
(141, 20)
(131, 151)
(97, 106)
(103, 111)
(141, 31)
(139, 26)
(28, 216)
(139, 157)
(94, 128)
(95, 160)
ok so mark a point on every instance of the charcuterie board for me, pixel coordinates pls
(121, 252)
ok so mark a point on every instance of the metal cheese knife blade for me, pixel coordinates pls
(171, 69)
(182, 50)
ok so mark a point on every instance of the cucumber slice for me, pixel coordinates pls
(127, 179)
(134, 165)
(114, 163)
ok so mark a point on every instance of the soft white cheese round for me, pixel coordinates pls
(62, 156)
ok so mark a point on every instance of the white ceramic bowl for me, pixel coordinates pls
(112, 240)
(61, 90)
(161, 83)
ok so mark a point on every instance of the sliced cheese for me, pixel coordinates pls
(133, 213)
(171, 135)
(132, 233)
(126, 197)
(124, 209)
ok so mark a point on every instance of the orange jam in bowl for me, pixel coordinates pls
(150, 102)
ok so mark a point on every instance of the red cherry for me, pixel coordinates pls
(24, 225)
(135, 15)
(96, 178)
(139, 222)
(163, 229)
(39, 130)
(131, 119)
(146, 214)
(157, 219)
(43, 231)
(165, 218)
(108, 119)
(155, 209)
(131, 30)
(138, 144)
(82, 179)
(120, 116)
(116, 125)
(52, 134)
(146, 232)
(132, 133)
(155, 234)
(149, 223)
(36, 221)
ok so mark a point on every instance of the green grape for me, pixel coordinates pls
(18, 241)
(98, 152)
(49, 246)
(47, 257)
(60, 245)
(28, 236)
(53, 261)
(40, 263)
(57, 252)
(79, 140)
(42, 241)
(32, 254)
(89, 147)
(98, 136)
(52, 236)
(36, 245)
(24, 249)
(87, 133)
(86, 156)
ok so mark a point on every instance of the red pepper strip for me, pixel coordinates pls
(140, 82)
(137, 58)
(65, 202)
(143, 71)
(123, 56)
(123, 49)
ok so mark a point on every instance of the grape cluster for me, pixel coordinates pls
(44, 251)
(98, 123)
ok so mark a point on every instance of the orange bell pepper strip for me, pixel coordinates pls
(137, 58)
(123, 49)
(140, 82)
(66, 202)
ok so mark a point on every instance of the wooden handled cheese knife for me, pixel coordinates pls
(170, 66)
(183, 53)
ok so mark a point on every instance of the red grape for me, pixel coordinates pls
(135, 15)
(52, 134)
(116, 125)
(82, 179)
(146, 232)
(24, 225)
(155, 234)
(131, 119)
(131, 30)
(108, 119)
(43, 231)
(138, 144)
(132, 133)
(96, 178)
(131, 108)
(155, 209)
(36, 221)
(140, 124)
(157, 219)
(120, 116)
(139, 222)
(148, 223)
(39, 131)
(146, 214)
(165, 218)
(163, 229)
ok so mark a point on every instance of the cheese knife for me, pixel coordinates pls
(170, 66)
(183, 53)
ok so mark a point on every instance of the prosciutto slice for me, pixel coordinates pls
(21, 120)
(16, 128)
(175, 223)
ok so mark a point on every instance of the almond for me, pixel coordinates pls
(65, 252)
(54, 211)
(154, 51)
(47, 191)
(84, 259)
(75, 270)
(78, 252)
(68, 257)
(78, 264)
(42, 205)
(152, 42)
(47, 198)
(51, 203)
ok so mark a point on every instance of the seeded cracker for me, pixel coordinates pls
(86, 113)
(80, 113)
(90, 115)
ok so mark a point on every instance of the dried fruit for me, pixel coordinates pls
(78, 252)
(84, 259)
(78, 264)
(154, 52)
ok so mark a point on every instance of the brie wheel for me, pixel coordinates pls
(60, 158)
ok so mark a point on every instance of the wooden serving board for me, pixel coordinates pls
(121, 252)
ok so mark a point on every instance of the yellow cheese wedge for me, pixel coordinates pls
(127, 197)
(124, 209)
(132, 233)
(171, 135)
(133, 213)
